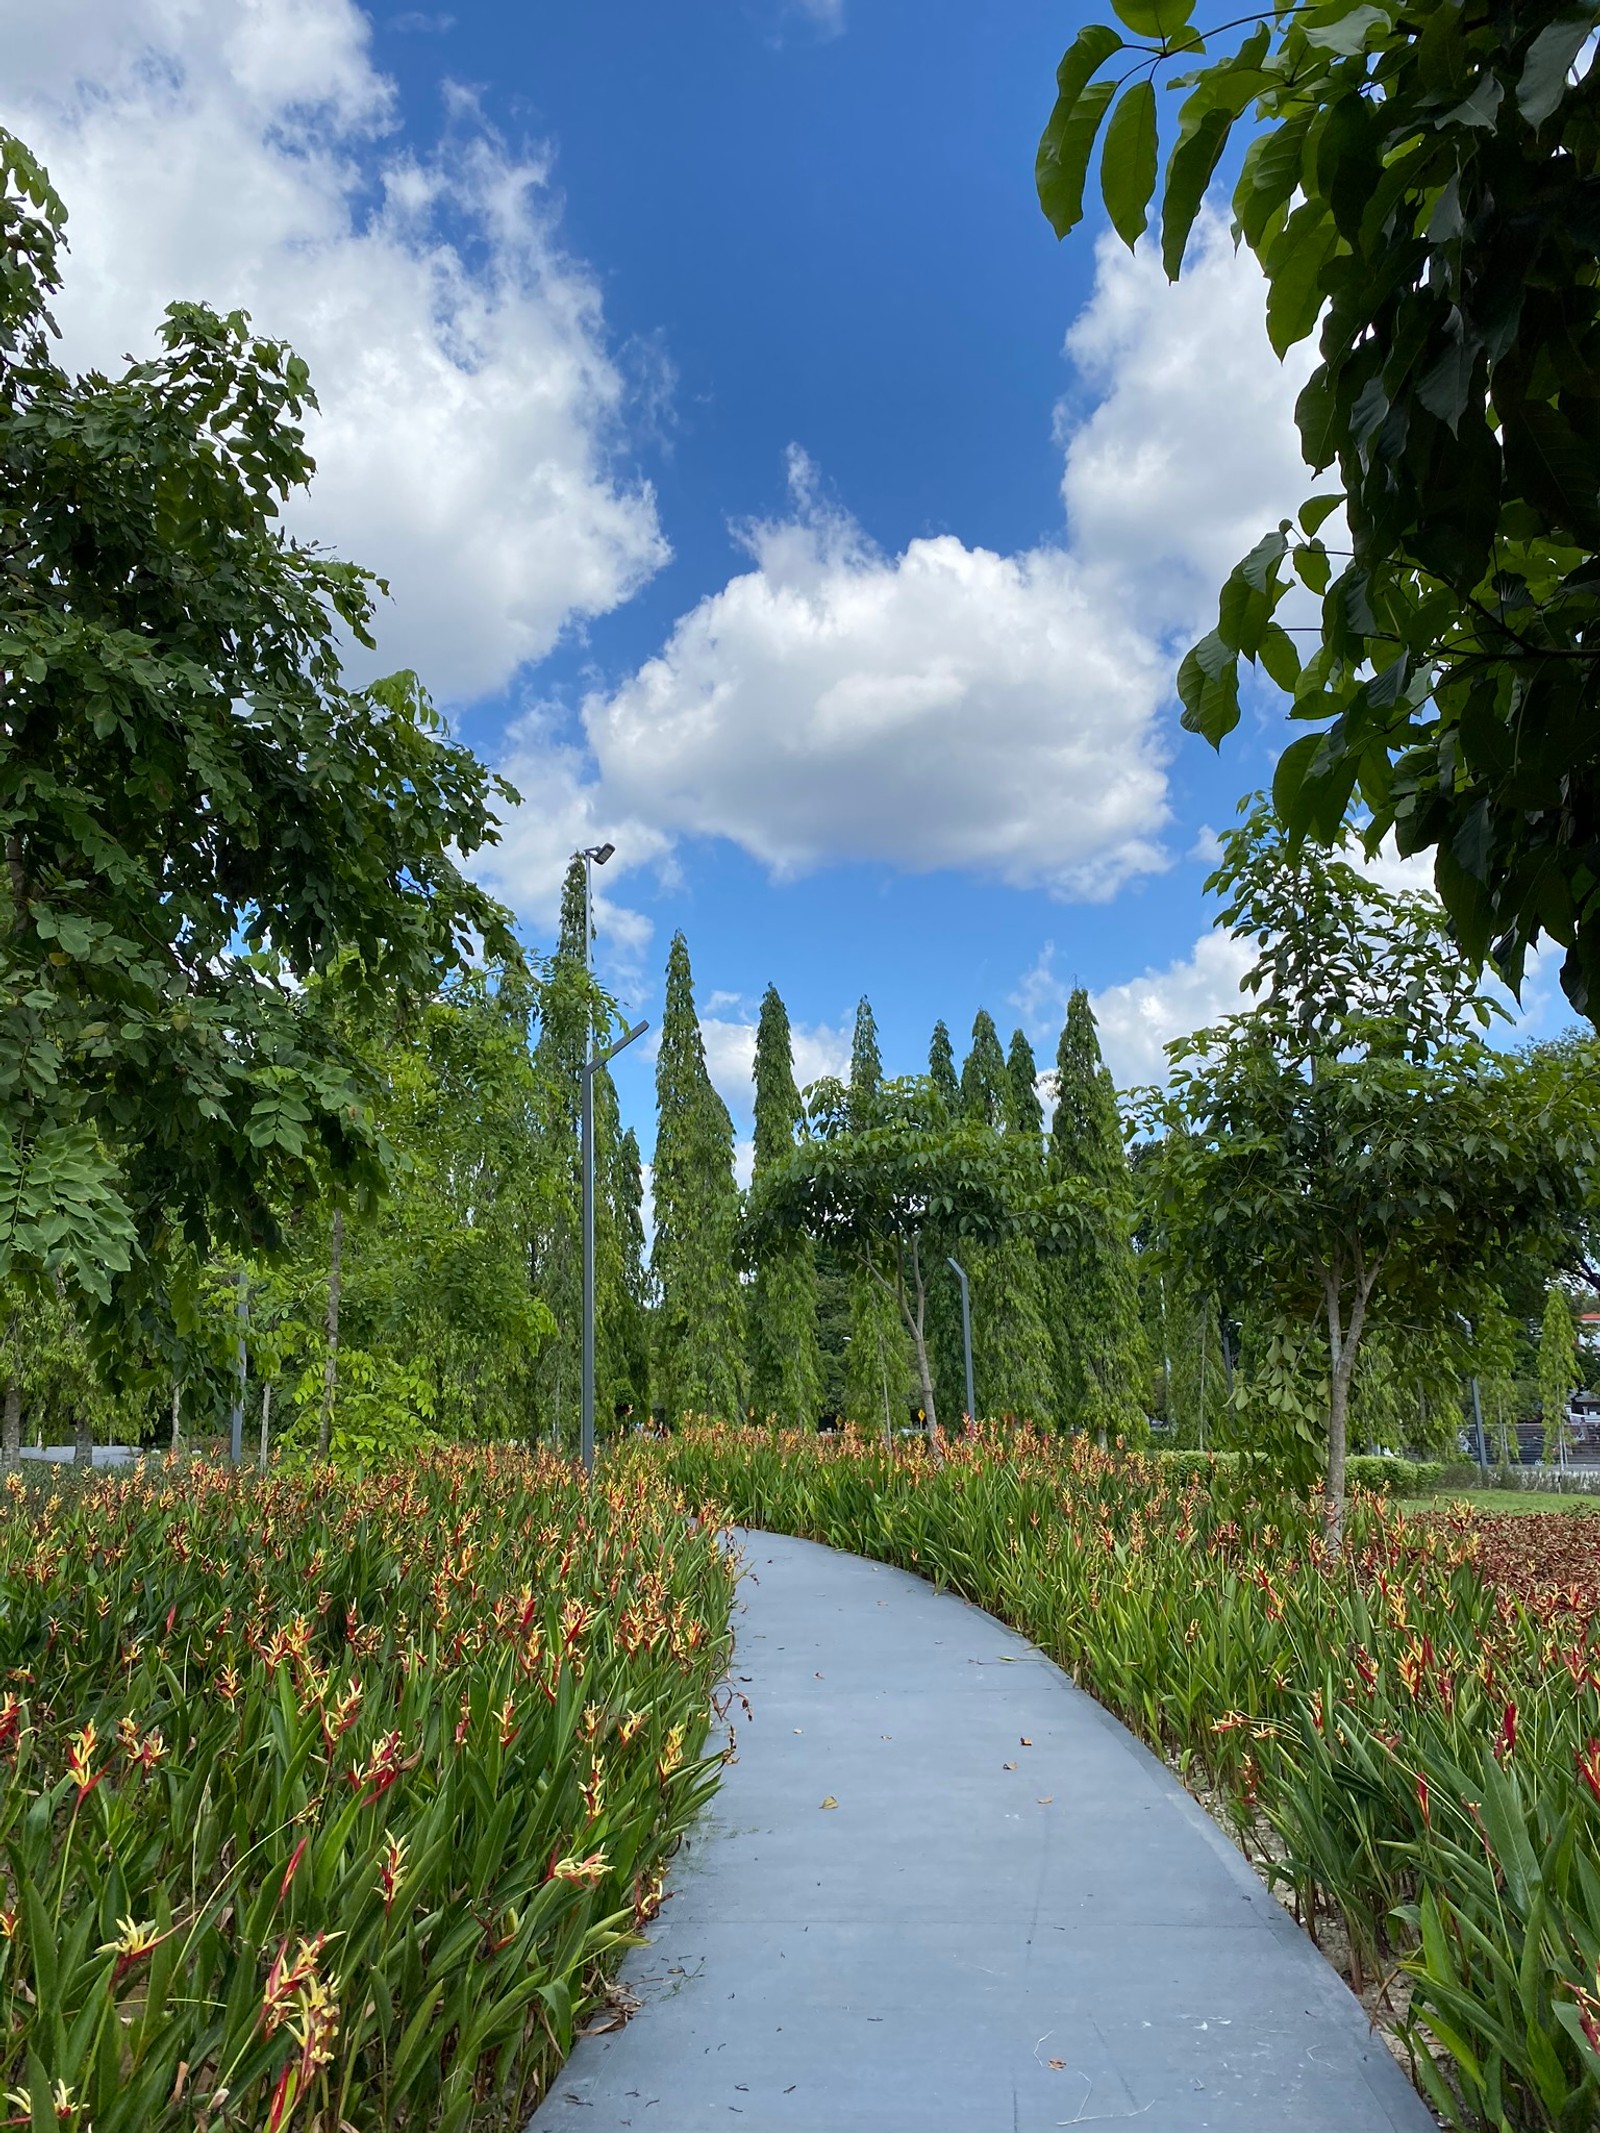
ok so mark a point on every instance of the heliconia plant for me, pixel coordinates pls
(323, 1802)
(1411, 1726)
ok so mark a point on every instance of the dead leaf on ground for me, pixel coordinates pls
(1055, 2064)
(1011, 1766)
(1026, 1743)
(1045, 1802)
(830, 1801)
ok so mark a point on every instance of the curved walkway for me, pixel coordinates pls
(1014, 1918)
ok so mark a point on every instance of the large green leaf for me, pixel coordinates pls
(1189, 170)
(1128, 161)
(1064, 146)
(1543, 82)
(1154, 18)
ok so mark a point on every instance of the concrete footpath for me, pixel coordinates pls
(942, 1891)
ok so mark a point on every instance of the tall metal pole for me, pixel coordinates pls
(586, 1426)
(1477, 1416)
(966, 1336)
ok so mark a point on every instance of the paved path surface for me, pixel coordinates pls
(982, 1936)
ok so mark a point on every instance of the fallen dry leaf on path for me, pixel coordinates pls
(1026, 1743)
(830, 1801)
(1045, 1802)
(1011, 1766)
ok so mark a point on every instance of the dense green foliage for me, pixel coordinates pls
(197, 813)
(785, 1361)
(1419, 179)
(700, 1315)
(1345, 1154)
(1093, 1287)
(1011, 1348)
(324, 1800)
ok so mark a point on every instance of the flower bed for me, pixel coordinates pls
(1418, 1723)
(323, 1801)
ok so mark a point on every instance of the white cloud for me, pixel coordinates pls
(731, 1055)
(243, 152)
(949, 706)
(1140, 1017)
(1191, 453)
(944, 707)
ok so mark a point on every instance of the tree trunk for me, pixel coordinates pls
(330, 1372)
(915, 1322)
(266, 1412)
(11, 1428)
(1344, 1341)
(82, 1441)
(177, 1421)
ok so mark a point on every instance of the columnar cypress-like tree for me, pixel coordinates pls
(878, 1368)
(1024, 1112)
(945, 1350)
(1094, 1289)
(1011, 1353)
(570, 1018)
(785, 1364)
(700, 1327)
(942, 1069)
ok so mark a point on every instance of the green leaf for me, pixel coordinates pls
(1154, 18)
(1208, 687)
(1068, 137)
(1347, 34)
(1543, 82)
(1294, 273)
(1316, 512)
(1060, 182)
(1128, 162)
(1189, 170)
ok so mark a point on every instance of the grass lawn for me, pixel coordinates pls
(1522, 1500)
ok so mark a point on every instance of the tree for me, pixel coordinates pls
(198, 814)
(1558, 1369)
(1010, 1339)
(877, 1357)
(1093, 1284)
(893, 1189)
(575, 1014)
(1347, 1152)
(946, 1345)
(1418, 180)
(785, 1365)
(700, 1317)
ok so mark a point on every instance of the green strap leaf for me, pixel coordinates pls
(1060, 183)
(1549, 60)
(1128, 162)
(1064, 145)
(1154, 18)
(1189, 170)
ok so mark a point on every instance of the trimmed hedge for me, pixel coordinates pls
(1384, 1477)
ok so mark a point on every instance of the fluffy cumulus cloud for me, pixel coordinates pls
(944, 707)
(1188, 453)
(1139, 1018)
(246, 154)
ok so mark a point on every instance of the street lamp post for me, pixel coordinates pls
(592, 856)
(960, 1273)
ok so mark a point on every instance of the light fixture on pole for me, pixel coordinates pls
(960, 1273)
(594, 855)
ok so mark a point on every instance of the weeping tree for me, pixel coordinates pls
(946, 1345)
(785, 1363)
(1100, 1352)
(700, 1316)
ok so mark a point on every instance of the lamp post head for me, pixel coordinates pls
(599, 853)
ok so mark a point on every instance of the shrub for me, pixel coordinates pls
(322, 1801)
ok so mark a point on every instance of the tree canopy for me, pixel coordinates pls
(198, 813)
(1419, 180)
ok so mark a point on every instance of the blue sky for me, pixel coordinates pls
(760, 483)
